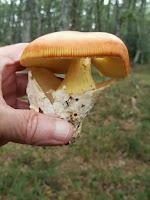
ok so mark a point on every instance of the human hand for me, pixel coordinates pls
(17, 123)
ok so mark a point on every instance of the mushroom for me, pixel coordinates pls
(59, 66)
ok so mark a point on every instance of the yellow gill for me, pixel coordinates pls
(110, 66)
(78, 78)
(56, 65)
(46, 80)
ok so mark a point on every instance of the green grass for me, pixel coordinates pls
(109, 162)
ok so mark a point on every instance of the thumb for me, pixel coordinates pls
(29, 127)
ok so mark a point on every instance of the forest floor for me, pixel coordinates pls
(109, 162)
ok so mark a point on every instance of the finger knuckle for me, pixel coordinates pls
(31, 127)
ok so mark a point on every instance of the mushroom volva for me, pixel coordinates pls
(59, 70)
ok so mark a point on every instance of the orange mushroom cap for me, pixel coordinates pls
(48, 51)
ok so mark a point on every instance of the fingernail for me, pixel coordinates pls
(63, 131)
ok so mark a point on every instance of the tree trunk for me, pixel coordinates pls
(117, 19)
(64, 23)
(26, 37)
(26, 18)
(139, 57)
(73, 14)
(99, 10)
(38, 18)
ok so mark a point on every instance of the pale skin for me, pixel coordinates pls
(17, 123)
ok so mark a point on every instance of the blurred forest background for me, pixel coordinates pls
(25, 20)
(111, 159)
